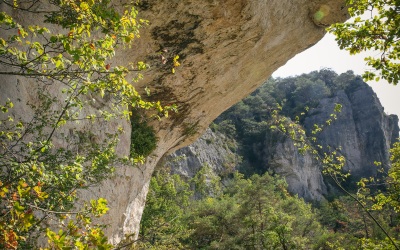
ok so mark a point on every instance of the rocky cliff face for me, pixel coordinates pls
(227, 49)
(301, 171)
(212, 149)
(362, 131)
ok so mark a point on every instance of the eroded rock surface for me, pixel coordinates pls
(226, 48)
(363, 131)
(212, 149)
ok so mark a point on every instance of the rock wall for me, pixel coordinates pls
(227, 48)
(363, 131)
(212, 149)
(301, 171)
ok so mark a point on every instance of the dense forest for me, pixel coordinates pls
(256, 213)
(249, 206)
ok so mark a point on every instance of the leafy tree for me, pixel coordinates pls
(378, 31)
(254, 213)
(383, 202)
(392, 194)
(205, 183)
(39, 180)
(308, 93)
(162, 225)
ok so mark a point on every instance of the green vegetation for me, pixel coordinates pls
(143, 138)
(259, 213)
(44, 157)
(254, 213)
(378, 31)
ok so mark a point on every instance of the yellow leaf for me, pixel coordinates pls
(84, 6)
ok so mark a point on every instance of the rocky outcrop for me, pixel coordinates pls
(211, 149)
(227, 49)
(363, 132)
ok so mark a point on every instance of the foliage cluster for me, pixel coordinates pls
(143, 138)
(258, 213)
(44, 158)
(253, 213)
(377, 30)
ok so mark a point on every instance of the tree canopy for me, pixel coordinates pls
(375, 26)
(253, 213)
(65, 56)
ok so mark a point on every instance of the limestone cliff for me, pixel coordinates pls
(212, 149)
(301, 171)
(362, 131)
(227, 49)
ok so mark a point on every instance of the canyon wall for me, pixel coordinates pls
(226, 49)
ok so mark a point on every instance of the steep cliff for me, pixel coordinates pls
(362, 131)
(227, 49)
(212, 149)
(301, 171)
